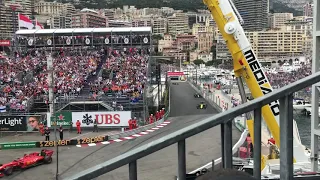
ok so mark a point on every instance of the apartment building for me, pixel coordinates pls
(198, 28)
(59, 15)
(277, 20)
(109, 13)
(141, 23)
(178, 24)
(254, 13)
(205, 41)
(166, 42)
(25, 5)
(88, 18)
(222, 52)
(159, 26)
(118, 23)
(7, 22)
(276, 43)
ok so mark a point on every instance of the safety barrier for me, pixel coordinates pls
(236, 121)
(74, 142)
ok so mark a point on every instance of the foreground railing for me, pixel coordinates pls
(224, 119)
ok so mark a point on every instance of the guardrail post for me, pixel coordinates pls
(286, 138)
(257, 144)
(182, 159)
(133, 171)
(222, 145)
(228, 144)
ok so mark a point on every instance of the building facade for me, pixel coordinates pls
(159, 26)
(277, 20)
(88, 18)
(178, 24)
(254, 13)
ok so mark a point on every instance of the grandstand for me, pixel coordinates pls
(95, 69)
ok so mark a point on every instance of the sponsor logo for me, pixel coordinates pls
(87, 119)
(262, 80)
(11, 122)
(107, 118)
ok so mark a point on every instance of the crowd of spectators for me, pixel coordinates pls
(126, 75)
(71, 73)
(278, 80)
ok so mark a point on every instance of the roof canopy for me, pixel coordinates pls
(84, 30)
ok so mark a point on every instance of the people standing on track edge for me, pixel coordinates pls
(158, 115)
(78, 124)
(134, 122)
(95, 126)
(151, 119)
(70, 128)
(41, 129)
(130, 124)
(47, 134)
(61, 132)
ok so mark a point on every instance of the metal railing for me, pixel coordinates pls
(223, 119)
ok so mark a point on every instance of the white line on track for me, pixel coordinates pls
(136, 135)
(117, 140)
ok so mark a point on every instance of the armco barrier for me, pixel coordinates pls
(238, 125)
(18, 145)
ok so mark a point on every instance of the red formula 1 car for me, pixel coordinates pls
(27, 161)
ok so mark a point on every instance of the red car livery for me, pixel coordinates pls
(27, 161)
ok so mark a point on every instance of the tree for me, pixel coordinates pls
(198, 61)
(209, 63)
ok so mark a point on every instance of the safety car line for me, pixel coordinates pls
(126, 138)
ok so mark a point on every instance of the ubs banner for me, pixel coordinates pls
(20, 123)
(104, 119)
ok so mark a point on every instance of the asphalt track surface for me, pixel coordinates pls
(161, 165)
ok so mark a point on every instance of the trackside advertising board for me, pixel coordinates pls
(20, 123)
(104, 119)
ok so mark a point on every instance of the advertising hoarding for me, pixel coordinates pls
(104, 119)
(62, 118)
(20, 123)
(5, 43)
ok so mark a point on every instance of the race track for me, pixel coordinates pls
(160, 165)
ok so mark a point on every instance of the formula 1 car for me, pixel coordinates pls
(197, 96)
(202, 105)
(27, 161)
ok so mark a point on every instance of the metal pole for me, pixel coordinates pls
(180, 65)
(196, 75)
(182, 159)
(51, 106)
(315, 91)
(228, 144)
(222, 145)
(286, 138)
(243, 97)
(159, 79)
(257, 144)
(133, 171)
(15, 29)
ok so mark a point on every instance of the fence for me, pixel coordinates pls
(223, 119)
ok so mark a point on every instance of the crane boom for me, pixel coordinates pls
(247, 66)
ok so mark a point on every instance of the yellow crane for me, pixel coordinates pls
(248, 69)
